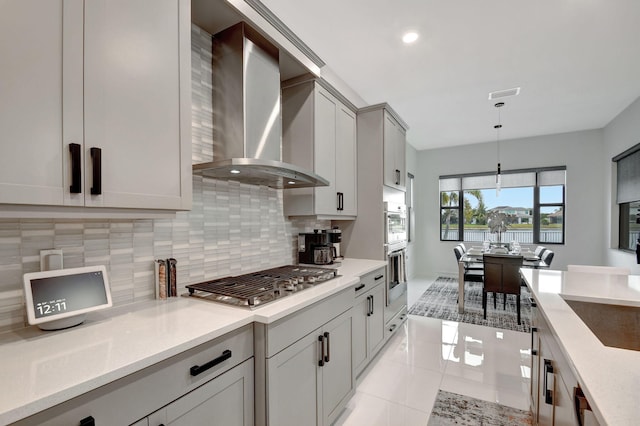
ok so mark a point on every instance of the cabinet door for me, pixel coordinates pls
(390, 176)
(293, 383)
(337, 372)
(359, 331)
(34, 101)
(535, 374)
(345, 160)
(400, 156)
(375, 324)
(326, 200)
(136, 87)
(394, 153)
(226, 400)
(564, 413)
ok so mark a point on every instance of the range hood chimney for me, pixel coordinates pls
(247, 119)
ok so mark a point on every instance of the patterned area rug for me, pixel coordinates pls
(453, 409)
(440, 301)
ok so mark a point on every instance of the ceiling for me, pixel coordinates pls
(577, 61)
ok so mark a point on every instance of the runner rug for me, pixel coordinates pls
(440, 301)
(453, 409)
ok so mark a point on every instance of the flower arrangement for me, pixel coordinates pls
(498, 223)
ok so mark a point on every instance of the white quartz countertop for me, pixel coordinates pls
(40, 369)
(609, 377)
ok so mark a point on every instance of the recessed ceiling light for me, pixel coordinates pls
(234, 171)
(410, 37)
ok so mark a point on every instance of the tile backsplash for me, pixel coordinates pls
(233, 228)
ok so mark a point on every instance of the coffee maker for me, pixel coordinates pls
(314, 249)
(334, 241)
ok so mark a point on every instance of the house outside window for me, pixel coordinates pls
(533, 200)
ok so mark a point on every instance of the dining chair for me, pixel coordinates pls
(473, 274)
(612, 270)
(539, 250)
(547, 257)
(501, 275)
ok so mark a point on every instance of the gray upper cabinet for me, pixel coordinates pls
(319, 133)
(383, 128)
(394, 143)
(97, 112)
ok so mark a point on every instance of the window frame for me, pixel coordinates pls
(537, 206)
(624, 204)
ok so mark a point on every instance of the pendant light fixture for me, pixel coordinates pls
(498, 127)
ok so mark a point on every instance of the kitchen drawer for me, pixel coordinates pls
(132, 397)
(373, 279)
(284, 332)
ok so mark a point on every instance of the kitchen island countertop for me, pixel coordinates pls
(40, 369)
(609, 377)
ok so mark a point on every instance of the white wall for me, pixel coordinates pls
(621, 134)
(582, 154)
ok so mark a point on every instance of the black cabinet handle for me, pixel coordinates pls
(321, 340)
(548, 393)
(88, 421)
(338, 200)
(328, 355)
(393, 327)
(368, 306)
(397, 177)
(76, 168)
(96, 160)
(360, 287)
(197, 369)
(533, 302)
(379, 277)
(372, 304)
(533, 330)
(340, 196)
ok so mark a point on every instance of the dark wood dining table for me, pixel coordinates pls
(469, 259)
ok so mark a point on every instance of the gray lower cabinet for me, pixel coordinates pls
(226, 400)
(168, 393)
(552, 379)
(304, 367)
(368, 320)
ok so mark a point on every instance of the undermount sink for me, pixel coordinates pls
(616, 326)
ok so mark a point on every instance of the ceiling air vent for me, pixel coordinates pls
(504, 93)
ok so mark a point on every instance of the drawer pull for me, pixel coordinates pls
(533, 302)
(88, 421)
(76, 168)
(197, 369)
(96, 159)
(378, 277)
(360, 287)
(321, 340)
(548, 381)
(328, 355)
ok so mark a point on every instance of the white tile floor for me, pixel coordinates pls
(399, 387)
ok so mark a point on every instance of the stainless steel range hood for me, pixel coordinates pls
(247, 120)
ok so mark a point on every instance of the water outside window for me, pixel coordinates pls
(515, 203)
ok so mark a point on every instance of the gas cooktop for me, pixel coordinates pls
(257, 288)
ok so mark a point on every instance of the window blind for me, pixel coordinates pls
(628, 165)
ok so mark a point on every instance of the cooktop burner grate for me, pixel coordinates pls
(263, 286)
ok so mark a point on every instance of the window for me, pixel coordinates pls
(628, 197)
(531, 202)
